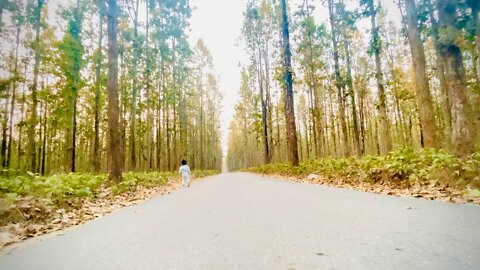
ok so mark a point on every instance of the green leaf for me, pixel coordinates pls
(475, 192)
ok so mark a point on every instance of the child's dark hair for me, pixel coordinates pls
(184, 162)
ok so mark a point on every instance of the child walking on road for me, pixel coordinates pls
(184, 170)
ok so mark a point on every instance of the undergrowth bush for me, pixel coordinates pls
(402, 165)
(58, 188)
(55, 188)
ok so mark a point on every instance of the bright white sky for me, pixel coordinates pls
(219, 23)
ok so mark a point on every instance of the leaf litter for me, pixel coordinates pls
(430, 190)
(31, 216)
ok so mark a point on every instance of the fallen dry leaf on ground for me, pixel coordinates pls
(28, 217)
(432, 190)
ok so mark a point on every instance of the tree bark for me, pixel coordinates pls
(266, 153)
(14, 92)
(31, 146)
(338, 83)
(351, 93)
(44, 143)
(22, 118)
(268, 102)
(424, 98)
(133, 112)
(385, 140)
(463, 129)
(116, 151)
(98, 80)
(147, 88)
(288, 88)
(440, 73)
(4, 130)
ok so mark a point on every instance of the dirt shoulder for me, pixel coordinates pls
(432, 190)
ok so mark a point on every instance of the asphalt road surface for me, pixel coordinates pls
(243, 221)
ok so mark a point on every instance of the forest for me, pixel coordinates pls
(105, 86)
(367, 83)
(100, 100)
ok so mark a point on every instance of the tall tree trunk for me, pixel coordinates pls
(351, 93)
(20, 130)
(316, 118)
(266, 153)
(73, 85)
(277, 116)
(338, 83)
(116, 151)
(168, 132)
(40, 134)
(319, 123)
(288, 88)
(74, 133)
(362, 117)
(174, 103)
(440, 73)
(463, 129)
(385, 140)
(312, 86)
(98, 80)
(307, 136)
(202, 150)
(31, 147)
(147, 88)
(4, 130)
(69, 132)
(159, 131)
(332, 124)
(69, 146)
(12, 103)
(133, 112)
(424, 98)
(268, 102)
(44, 143)
(312, 115)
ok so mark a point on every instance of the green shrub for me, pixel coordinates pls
(58, 188)
(402, 165)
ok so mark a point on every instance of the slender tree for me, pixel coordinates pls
(71, 64)
(440, 73)
(385, 140)
(338, 80)
(116, 150)
(98, 81)
(288, 89)
(427, 117)
(31, 148)
(134, 7)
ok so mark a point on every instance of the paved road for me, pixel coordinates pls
(241, 221)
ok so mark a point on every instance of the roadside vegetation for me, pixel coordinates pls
(32, 205)
(427, 173)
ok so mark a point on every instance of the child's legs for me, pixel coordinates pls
(185, 180)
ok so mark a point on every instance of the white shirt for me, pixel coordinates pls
(184, 169)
